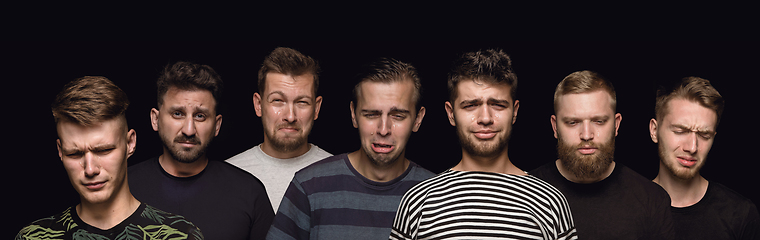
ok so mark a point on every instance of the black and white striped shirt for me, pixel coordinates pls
(483, 205)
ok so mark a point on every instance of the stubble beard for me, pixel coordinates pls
(586, 166)
(182, 154)
(288, 144)
(483, 148)
(675, 168)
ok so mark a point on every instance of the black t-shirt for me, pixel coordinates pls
(224, 201)
(624, 205)
(721, 214)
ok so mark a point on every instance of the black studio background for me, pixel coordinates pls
(37, 186)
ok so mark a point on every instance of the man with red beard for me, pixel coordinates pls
(288, 105)
(484, 196)
(609, 200)
(355, 195)
(684, 128)
(228, 201)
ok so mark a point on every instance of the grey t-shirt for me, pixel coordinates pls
(275, 173)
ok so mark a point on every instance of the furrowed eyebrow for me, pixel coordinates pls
(701, 131)
(400, 110)
(371, 111)
(499, 101)
(103, 147)
(473, 101)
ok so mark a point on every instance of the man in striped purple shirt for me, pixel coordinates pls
(355, 195)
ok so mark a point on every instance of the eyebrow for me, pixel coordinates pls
(709, 131)
(96, 148)
(392, 110)
(196, 109)
(490, 101)
(283, 94)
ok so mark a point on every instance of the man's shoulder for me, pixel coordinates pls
(230, 172)
(174, 221)
(419, 173)
(144, 165)
(331, 165)
(55, 225)
(546, 172)
(728, 196)
(319, 153)
(244, 156)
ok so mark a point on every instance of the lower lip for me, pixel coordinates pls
(487, 135)
(587, 151)
(188, 145)
(289, 130)
(379, 149)
(95, 186)
(687, 163)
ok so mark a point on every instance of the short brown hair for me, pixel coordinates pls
(492, 65)
(388, 70)
(584, 82)
(89, 100)
(190, 76)
(288, 61)
(694, 89)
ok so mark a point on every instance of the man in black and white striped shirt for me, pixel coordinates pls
(485, 195)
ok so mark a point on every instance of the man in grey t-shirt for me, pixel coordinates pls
(288, 104)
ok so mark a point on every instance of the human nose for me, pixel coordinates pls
(385, 127)
(485, 116)
(188, 128)
(690, 144)
(91, 165)
(290, 114)
(587, 132)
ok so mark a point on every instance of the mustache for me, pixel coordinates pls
(587, 144)
(191, 139)
(287, 125)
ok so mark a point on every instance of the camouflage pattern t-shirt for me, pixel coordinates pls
(146, 223)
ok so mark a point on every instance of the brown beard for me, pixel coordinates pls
(182, 155)
(586, 166)
(482, 149)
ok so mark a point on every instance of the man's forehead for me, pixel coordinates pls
(689, 113)
(196, 98)
(277, 81)
(596, 102)
(469, 90)
(386, 95)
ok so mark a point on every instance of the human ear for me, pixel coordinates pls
(653, 130)
(450, 113)
(418, 119)
(154, 118)
(353, 115)
(257, 104)
(554, 125)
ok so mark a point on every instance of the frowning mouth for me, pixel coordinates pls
(687, 161)
(382, 148)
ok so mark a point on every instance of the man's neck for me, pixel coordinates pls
(267, 148)
(109, 214)
(361, 162)
(683, 192)
(573, 178)
(181, 169)
(499, 163)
